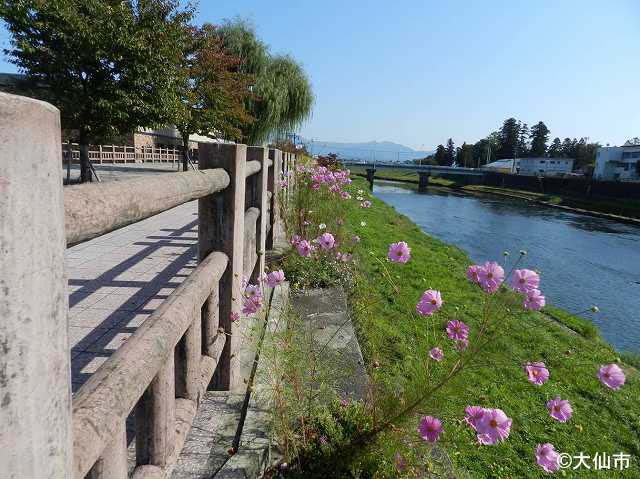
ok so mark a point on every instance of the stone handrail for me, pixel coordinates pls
(93, 209)
(187, 345)
(103, 403)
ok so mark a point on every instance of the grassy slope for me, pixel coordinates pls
(603, 204)
(604, 420)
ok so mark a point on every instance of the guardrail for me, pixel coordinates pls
(189, 342)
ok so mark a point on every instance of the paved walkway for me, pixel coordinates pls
(117, 280)
(120, 171)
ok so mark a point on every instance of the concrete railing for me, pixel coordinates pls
(187, 345)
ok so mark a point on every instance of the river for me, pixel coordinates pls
(583, 260)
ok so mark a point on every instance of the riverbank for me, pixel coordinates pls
(603, 419)
(396, 342)
(627, 211)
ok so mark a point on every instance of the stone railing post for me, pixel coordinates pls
(273, 185)
(35, 410)
(259, 200)
(221, 228)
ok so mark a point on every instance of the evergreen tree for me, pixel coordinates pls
(451, 152)
(508, 139)
(539, 138)
(484, 151)
(523, 140)
(464, 157)
(568, 149)
(441, 155)
(555, 150)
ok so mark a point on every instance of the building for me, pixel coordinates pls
(539, 166)
(543, 166)
(618, 163)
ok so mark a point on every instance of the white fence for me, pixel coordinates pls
(100, 154)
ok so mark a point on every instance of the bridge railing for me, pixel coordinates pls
(187, 345)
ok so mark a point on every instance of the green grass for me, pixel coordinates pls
(603, 421)
(394, 337)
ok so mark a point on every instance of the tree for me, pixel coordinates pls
(213, 91)
(465, 156)
(109, 66)
(585, 154)
(283, 97)
(508, 139)
(568, 149)
(555, 150)
(441, 155)
(539, 138)
(451, 152)
(523, 140)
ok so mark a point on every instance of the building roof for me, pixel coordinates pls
(499, 164)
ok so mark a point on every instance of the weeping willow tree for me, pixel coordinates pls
(282, 97)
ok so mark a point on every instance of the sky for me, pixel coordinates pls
(417, 72)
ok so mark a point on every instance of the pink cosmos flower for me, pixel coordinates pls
(534, 300)
(274, 278)
(473, 414)
(295, 239)
(326, 241)
(429, 303)
(494, 426)
(315, 186)
(436, 354)
(400, 462)
(537, 373)
(524, 280)
(306, 223)
(491, 276)
(472, 273)
(323, 440)
(457, 330)
(344, 402)
(366, 204)
(284, 183)
(399, 252)
(304, 248)
(344, 257)
(235, 316)
(611, 376)
(547, 457)
(345, 195)
(462, 344)
(252, 301)
(334, 188)
(559, 409)
(430, 428)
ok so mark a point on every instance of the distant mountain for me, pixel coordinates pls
(369, 151)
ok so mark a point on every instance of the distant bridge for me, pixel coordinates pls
(424, 171)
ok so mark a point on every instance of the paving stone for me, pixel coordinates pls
(327, 313)
(113, 282)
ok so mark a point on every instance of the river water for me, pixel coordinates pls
(583, 260)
